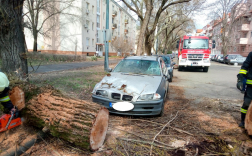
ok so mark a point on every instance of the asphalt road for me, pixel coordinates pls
(219, 82)
(68, 66)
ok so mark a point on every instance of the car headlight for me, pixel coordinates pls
(183, 60)
(147, 97)
(102, 93)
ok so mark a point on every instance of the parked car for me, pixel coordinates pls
(169, 65)
(221, 60)
(231, 58)
(138, 85)
(215, 57)
(219, 57)
(240, 59)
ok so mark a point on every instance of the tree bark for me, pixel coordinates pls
(35, 37)
(143, 28)
(248, 120)
(80, 122)
(12, 47)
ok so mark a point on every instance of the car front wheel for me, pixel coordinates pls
(162, 111)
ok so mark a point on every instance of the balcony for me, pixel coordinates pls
(114, 26)
(126, 21)
(114, 13)
(242, 41)
(126, 31)
(244, 27)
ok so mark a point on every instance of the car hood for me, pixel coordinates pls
(126, 84)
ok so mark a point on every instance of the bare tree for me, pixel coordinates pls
(177, 22)
(122, 45)
(12, 45)
(226, 12)
(147, 10)
(41, 11)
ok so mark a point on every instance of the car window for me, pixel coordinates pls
(133, 66)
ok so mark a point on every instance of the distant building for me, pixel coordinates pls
(80, 35)
(241, 34)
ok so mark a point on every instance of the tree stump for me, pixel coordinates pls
(80, 122)
(248, 120)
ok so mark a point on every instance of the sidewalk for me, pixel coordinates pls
(69, 66)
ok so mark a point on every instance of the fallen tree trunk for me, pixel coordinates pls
(80, 122)
(248, 120)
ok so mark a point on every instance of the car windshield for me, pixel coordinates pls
(196, 44)
(143, 67)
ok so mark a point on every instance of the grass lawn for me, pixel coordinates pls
(75, 83)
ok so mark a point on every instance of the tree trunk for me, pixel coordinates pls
(80, 122)
(143, 28)
(12, 47)
(148, 45)
(35, 41)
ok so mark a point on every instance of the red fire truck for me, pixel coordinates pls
(193, 52)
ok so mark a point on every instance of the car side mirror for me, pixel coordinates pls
(109, 70)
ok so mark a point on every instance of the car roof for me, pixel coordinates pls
(152, 58)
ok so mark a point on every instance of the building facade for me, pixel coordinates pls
(79, 33)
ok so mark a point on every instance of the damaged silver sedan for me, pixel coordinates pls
(137, 86)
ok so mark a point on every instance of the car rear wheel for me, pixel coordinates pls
(179, 68)
(205, 69)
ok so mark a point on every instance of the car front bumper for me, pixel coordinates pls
(141, 108)
(194, 64)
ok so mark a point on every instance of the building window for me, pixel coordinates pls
(98, 6)
(97, 37)
(113, 8)
(92, 9)
(98, 21)
(87, 5)
(92, 42)
(234, 49)
(112, 20)
(87, 23)
(243, 49)
(93, 26)
(104, 16)
(87, 42)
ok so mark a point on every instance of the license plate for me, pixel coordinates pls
(194, 63)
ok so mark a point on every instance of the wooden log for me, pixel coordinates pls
(248, 120)
(80, 122)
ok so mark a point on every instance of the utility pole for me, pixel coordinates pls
(106, 42)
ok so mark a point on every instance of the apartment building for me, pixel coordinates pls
(240, 37)
(78, 34)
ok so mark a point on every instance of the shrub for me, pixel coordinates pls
(93, 58)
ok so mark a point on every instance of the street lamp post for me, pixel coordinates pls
(106, 42)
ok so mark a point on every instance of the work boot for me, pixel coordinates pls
(242, 124)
